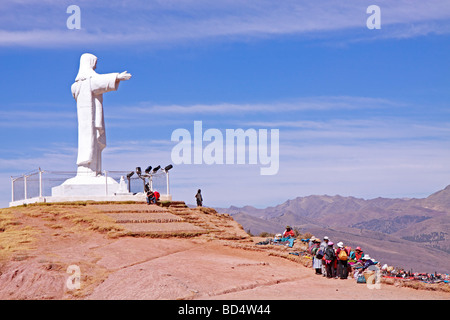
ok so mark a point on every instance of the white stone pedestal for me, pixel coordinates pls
(90, 188)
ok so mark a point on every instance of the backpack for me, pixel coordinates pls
(361, 279)
(343, 255)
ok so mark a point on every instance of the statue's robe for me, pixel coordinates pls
(88, 93)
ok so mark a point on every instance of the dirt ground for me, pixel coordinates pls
(202, 267)
(198, 270)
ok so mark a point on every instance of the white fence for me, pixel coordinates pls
(39, 183)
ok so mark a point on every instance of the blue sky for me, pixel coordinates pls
(360, 112)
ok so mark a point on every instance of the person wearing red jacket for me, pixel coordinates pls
(288, 233)
(289, 236)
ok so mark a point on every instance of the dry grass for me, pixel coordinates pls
(94, 221)
(164, 235)
(15, 238)
(18, 234)
(86, 215)
(217, 226)
(78, 217)
(76, 204)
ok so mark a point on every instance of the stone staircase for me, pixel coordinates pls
(154, 220)
(174, 219)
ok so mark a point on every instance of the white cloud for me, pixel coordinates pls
(43, 23)
(308, 165)
(22, 118)
(366, 157)
(301, 104)
(375, 129)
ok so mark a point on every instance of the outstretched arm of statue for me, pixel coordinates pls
(123, 76)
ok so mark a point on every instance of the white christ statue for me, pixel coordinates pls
(88, 91)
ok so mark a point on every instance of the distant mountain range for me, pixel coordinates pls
(409, 233)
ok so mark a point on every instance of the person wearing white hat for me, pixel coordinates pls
(323, 247)
(368, 262)
(310, 243)
(342, 255)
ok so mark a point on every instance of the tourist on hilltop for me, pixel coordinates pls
(157, 195)
(330, 259)
(150, 197)
(199, 198)
(368, 261)
(288, 233)
(287, 237)
(312, 241)
(355, 259)
(342, 254)
(356, 255)
(317, 256)
(324, 243)
(323, 247)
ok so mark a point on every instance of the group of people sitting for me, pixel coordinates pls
(337, 262)
(287, 237)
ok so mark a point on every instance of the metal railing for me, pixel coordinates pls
(39, 183)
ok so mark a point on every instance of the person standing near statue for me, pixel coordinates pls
(199, 198)
(88, 91)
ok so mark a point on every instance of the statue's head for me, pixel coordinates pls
(88, 60)
(88, 63)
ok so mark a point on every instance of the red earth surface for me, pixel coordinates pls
(208, 266)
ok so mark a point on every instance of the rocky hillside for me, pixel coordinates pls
(39, 242)
(90, 250)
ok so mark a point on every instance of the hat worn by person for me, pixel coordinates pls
(330, 243)
(325, 238)
(340, 244)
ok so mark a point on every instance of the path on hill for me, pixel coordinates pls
(206, 270)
